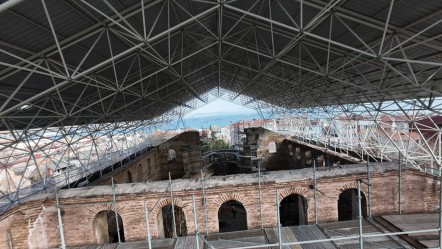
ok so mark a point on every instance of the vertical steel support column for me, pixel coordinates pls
(260, 194)
(369, 186)
(400, 184)
(60, 223)
(116, 211)
(173, 207)
(149, 240)
(196, 224)
(440, 188)
(10, 241)
(279, 220)
(204, 202)
(361, 241)
(440, 207)
(314, 191)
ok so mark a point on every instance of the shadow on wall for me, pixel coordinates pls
(348, 206)
(165, 222)
(293, 210)
(106, 228)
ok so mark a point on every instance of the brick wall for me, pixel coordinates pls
(155, 164)
(35, 222)
(289, 154)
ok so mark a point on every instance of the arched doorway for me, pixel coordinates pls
(348, 205)
(105, 227)
(140, 173)
(129, 177)
(293, 210)
(232, 216)
(165, 222)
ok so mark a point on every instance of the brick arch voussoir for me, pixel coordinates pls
(230, 197)
(94, 210)
(296, 190)
(354, 185)
(164, 202)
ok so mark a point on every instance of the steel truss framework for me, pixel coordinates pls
(77, 73)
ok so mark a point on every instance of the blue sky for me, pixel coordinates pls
(220, 107)
(218, 112)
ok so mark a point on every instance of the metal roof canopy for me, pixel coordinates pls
(78, 62)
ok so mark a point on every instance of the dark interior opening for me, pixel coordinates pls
(348, 205)
(105, 225)
(166, 218)
(232, 216)
(292, 210)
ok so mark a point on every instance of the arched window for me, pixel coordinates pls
(290, 149)
(140, 173)
(348, 208)
(272, 147)
(293, 210)
(129, 177)
(106, 229)
(232, 216)
(165, 222)
(148, 166)
(171, 155)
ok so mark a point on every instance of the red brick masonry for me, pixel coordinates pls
(34, 223)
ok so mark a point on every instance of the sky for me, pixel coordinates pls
(220, 107)
(217, 113)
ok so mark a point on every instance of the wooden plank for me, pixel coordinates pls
(180, 242)
(190, 242)
(290, 237)
(272, 237)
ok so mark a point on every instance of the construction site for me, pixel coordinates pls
(347, 152)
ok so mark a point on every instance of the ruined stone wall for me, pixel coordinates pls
(188, 157)
(36, 221)
(141, 169)
(259, 139)
(288, 155)
(155, 164)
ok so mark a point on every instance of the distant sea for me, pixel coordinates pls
(220, 120)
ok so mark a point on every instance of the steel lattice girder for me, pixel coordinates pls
(102, 68)
(69, 59)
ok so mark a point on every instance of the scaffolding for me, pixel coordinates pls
(280, 244)
(90, 89)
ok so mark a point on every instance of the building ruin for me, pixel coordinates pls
(232, 202)
(93, 103)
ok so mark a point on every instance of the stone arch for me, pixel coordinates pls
(305, 197)
(272, 147)
(350, 185)
(230, 197)
(92, 211)
(290, 191)
(232, 216)
(177, 203)
(347, 204)
(106, 228)
(140, 172)
(129, 176)
(164, 202)
(216, 205)
(171, 155)
(96, 210)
